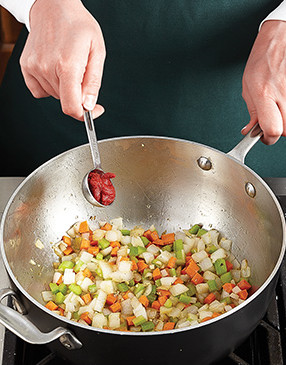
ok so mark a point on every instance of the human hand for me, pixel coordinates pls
(264, 82)
(64, 56)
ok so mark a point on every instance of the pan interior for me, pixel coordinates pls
(158, 181)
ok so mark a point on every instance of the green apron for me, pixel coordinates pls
(173, 68)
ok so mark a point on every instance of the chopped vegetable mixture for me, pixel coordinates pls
(138, 280)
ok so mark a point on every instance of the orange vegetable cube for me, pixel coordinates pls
(107, 227)
(206, 319)
(111, 299)
(86, 318)
(87, 273)
(134, 265)
(93, 250)
(163, 292)
(243, 284)
(66, 240)
(68, 251)
(229, 265)
(243, 294)
(141, 265)
(157, 274)
(171, 264)
(169, 326)
(130, 320)
(51, 306)
(144, 300)
(178, 281)
(168, 238)
(85, 244)
(116, 307)
(156, 305)
(162, 299)
(228, 287)
(115, 244)
(197, 279)
(83, 227)
(192, 268)
(114, 251)
(210, 298)
(86, 298)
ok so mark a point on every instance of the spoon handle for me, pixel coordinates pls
(92, 139)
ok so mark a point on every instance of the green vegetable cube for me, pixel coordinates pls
(139, 320)
(178, 245)
(226, 300)
(138, 288)
(147, 326)
(181, 257)
(122, 287)
(103, 243)
(125, 232)
(185, 299)
(201, 231)
(194, 229)
(54, 288)
(63, 288)
(76, 289)
(212, 285)
(226, 278)
(92, 288)
(211, 249)
(78, 265)
(220, 267)
(141, 250)
(192, 289)
(133, 251)
(99, 256)
(152, 297)
(167, 248)
(172, 272)
(144, 240)
(59, 299)
(158, 282)
(168, 303)
(66, 265)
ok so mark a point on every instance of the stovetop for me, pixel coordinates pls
(265, 346)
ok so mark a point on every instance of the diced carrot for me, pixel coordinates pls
(147, 234)
(206, 319)
(93, 242)
(192, 268)
(243, 284)
(163, 292)
(68, 251)
(134, 265)
(157, 274)
(210, 298)
(85, 317)
(243, 294)
(124, 258)
(162, 299)
(228, 287)
(85, 244)
(154, 236)
(83, 227)
(141, 265)
(66, 240)
(130, 320)
(168, 238)
(111, 299)
(116, 307)
(51, 306)
(62, 312)
(107, 227)
(156, 305)
(125, 295)
(171, 264)
(114, 251)
(115, 244)
(168, 326)
(197, 279)
(178, 281)
(86, 272)
(215, 314)
(86, 298)
(183, 271)
(158, 242)
(60, 280)
(93, 250)
(144, 300)
(229, 265)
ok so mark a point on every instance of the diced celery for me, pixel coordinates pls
(201, 231)
(54, 288)
(226, 278)
(144, 240)
(99, 272)
(158, 282)
(59, 299)
(168, 303)
(185, 299)
(125, 232)
(152, 297)
(167, 248)
(172, 272)
(78, 265)
(66, 265)
(103, 243)
(181, 257)
(220, 267)
(154, 289)
(212, 285)
(99, 256)
(226, 300)
(178, 245)
(139, 320)
(122, 287)
(211, 249)
(138, 288)
(76, 289)
(92, 288)
(131, 282)
(147, 326)
(141, 250)
(157, 262)
(194, 229)
(75, 315)
(133, 251)
(63, 288)
(192, 289)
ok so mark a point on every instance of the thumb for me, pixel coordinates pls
(92, 79)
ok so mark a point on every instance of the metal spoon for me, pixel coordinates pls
(95, 157)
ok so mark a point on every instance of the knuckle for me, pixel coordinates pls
(71, 111)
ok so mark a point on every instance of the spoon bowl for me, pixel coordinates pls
(88, 120)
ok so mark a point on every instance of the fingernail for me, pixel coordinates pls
(89, 102)
(243, 129)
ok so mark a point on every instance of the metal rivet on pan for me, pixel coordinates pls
(204, 163)
(250, 189)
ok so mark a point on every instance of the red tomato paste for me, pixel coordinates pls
(101, 187)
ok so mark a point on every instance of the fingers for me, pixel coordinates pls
(34, 86)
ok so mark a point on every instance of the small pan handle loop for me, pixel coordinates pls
(22, 327)
(240, 151)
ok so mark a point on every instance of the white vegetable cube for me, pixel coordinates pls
(69, 277)
(125, 240)
(178, 289)
(199, 256)
(86, 257)
(105, 268)
(206, 264)
(117, 223)
(111, 236)
(100, 301)
(47, 296)
(124, 266)
(205, 314)
(225, 244)
(218, 254)
(99, 320)
(56, 277)
(98, 234)
(136, 241)
(114, 320)
(107, 286)
(148, 257)
(202, 288)
(167, 281)
(86, 283)
(153, 249)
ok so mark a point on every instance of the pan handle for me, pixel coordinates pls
(240, 151)
(22, 327)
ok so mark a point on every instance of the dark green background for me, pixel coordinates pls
(173, 68)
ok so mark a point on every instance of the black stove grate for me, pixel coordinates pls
(265, 346)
